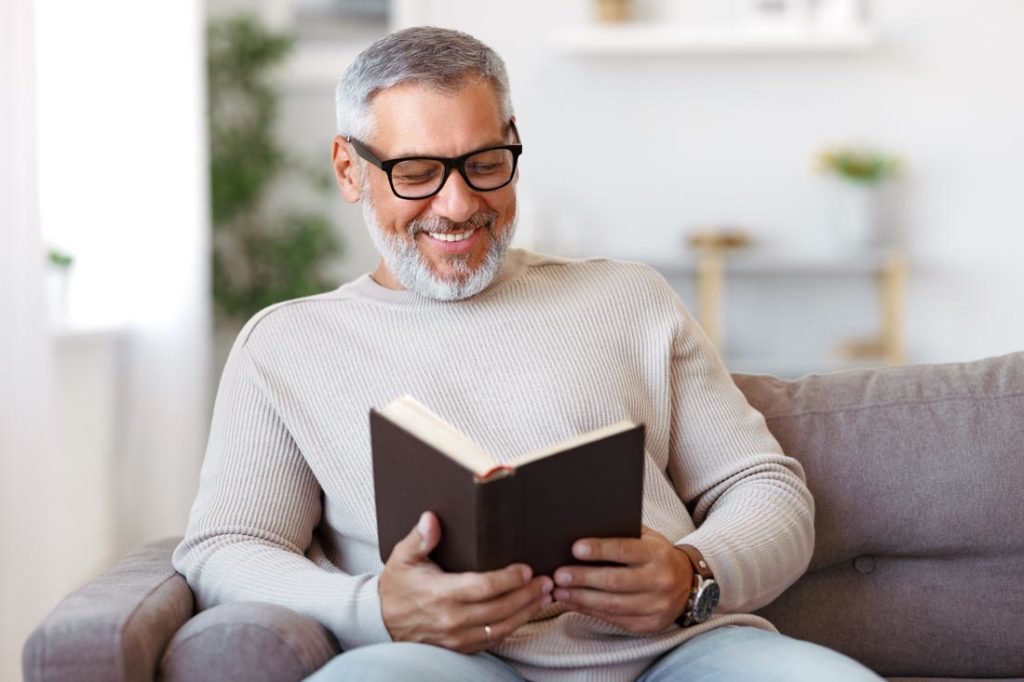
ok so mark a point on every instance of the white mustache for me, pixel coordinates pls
(438, 225)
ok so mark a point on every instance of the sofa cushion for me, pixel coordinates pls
(917, 474)
(247, 642)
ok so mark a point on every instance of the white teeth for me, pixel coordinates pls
(452, 236)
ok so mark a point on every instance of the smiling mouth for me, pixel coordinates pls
(453, 236)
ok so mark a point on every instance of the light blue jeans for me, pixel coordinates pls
(726, 653)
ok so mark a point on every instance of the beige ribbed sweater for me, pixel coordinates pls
(553, 347)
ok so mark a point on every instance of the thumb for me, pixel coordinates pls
(420, 541)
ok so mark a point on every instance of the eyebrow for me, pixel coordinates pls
(417, 153)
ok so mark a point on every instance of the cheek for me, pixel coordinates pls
(394, 215)
(507, 208)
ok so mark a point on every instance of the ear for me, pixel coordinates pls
(346, 170)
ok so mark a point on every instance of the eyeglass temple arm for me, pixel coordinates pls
(364, 152)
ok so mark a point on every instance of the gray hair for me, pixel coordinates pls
(438, 58)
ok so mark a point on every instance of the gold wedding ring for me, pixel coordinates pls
(487, 631)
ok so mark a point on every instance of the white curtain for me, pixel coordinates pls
(124, 189)
(28, 546)
(102, 151)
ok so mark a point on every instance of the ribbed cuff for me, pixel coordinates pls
(360, 622)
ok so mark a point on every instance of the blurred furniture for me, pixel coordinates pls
(918, 568)
(714, 266)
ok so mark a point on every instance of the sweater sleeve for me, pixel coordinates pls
(254, 516)
(753, 511)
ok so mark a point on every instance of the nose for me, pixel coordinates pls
(456, 201)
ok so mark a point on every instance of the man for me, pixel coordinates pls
(518, 350)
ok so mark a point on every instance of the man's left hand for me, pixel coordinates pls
(645, 595)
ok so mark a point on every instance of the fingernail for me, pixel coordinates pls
(562, 595)
(527, 574)
(423, 527)
(581, 550)
(563, 577)
(546, 585)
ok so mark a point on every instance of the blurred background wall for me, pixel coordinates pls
(110, 368)
(628, 153)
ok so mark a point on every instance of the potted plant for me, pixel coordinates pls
(858, 174)
(58, 284)
(263, 253)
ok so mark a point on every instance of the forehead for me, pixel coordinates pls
(415, 119)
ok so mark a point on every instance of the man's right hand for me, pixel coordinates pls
(422, 603)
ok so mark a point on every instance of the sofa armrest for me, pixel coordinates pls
(117, 626)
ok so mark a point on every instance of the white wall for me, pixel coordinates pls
(663, 144)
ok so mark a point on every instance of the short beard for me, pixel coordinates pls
(406, 263)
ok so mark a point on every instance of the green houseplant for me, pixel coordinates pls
(59, 264)
(861, 166)
(260, 255)
(858, 175)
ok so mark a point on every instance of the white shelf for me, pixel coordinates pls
(639, 39)
(67, 334)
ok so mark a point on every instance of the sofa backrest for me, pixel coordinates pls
(918, 478)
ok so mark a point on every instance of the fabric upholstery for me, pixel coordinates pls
(114, 628)
(222, 643)
(917, 473)
(918, 571)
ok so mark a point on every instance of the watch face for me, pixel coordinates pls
(705, 601)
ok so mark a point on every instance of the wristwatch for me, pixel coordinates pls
(705, 592)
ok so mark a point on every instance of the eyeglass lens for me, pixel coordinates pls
(485, 170)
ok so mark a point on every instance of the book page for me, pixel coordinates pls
(572, 442)
(419, 420)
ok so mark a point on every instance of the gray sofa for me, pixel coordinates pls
(918, 570)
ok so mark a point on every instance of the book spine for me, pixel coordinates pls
(496, 524)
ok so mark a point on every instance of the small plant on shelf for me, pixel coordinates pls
(59, 259)
(862, 166)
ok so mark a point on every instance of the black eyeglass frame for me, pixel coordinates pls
(457, 163)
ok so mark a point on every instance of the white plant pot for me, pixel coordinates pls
(856, 215)
(58, 288)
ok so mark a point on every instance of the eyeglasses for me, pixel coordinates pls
(419, 177)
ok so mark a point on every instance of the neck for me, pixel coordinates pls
(382, 276)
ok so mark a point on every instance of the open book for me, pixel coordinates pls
(530, 510)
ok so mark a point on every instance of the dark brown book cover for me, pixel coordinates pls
(531, 514)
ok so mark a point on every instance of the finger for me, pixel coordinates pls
(614, 604)
(611, 579)
(420, 542)
(477, 587)
(619, 550)
(505, 606)
(501, 629)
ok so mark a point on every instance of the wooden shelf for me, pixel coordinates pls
(647, 39)
(762, 262)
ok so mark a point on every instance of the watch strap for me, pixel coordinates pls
(700, 565)
(701, 576)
